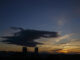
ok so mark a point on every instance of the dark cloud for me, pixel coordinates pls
(27, 37)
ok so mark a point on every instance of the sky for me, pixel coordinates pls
(62, 16)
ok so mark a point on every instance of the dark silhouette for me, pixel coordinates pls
(27, 37)
(24, 50)
(36, 50)
(40, 56)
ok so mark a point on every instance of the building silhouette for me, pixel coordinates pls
(24, 50)
(36, 50)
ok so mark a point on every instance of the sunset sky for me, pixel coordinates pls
(62, 16)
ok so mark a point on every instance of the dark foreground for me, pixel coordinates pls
(36, 56)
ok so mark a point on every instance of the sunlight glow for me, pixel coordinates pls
(63, 51)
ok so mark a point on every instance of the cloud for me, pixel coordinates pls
(27, 37)
(66, 42)
(71, 43)
(63, 37)
(53, 42)
(59, 41)
(9, 32)
(73, 37)
(71, 47)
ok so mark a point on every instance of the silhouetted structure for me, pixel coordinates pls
(36, 50)
(32, 56)
(24, 50)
